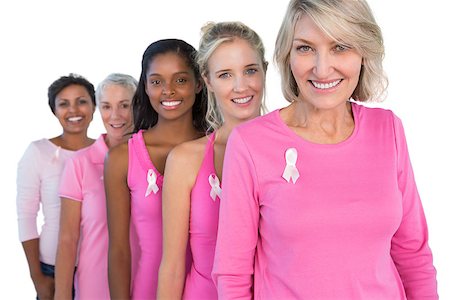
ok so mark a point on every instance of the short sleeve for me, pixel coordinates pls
(70, 185)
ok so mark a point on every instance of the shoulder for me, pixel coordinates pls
(117, 155)
(376, 113)
(188, 154)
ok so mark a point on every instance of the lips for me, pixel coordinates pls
(75, 119)
(327, 85)
(242, 100)
(170, 103)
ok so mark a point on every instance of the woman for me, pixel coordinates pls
(319, 199)
(83, 227)
(168, 108)
(72, 100)
(231, 60)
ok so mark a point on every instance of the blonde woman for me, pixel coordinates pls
(232, 64)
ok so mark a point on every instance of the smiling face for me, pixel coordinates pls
(171, 86)
(326, 71)
(236, 77)
(74, 109)
(115, 109)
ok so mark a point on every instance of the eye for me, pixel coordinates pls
(105, 107)
(83, 101)
(304, 48)
(125, 105)
(224, 75)
(181, 80)
(251, 71)
(341, 48)
(62, 103)
(155, 82)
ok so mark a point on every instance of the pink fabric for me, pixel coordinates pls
(38, 175)
(351, 227)
(82, 180)
(146, 216)
(203, 231)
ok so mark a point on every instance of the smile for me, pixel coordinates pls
(324, 86)
(171, 103)
(242, 100)
(74, 119)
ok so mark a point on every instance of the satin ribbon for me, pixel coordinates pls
(290, 171)
(56, 155)
(151, 180)
(216, 191)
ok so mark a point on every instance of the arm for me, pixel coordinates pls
(181, 171)
(238, 223)
(44, 285)
(409, 249)
(66, 255)
(118, 214)
(28, 200)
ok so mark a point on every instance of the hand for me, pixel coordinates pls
(45, 287)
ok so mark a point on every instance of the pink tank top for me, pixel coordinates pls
(145, 184)
(205, 201)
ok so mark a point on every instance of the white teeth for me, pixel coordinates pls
(171, 103)
(117, 126)
(324, 86)
(74, 119)
(241, 100)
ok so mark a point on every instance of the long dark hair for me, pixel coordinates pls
(144, 115)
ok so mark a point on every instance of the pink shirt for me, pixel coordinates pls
(82, 180)
(203, 229)
(350, 227)
(38, 174)
(145, 184)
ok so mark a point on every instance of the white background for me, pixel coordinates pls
(42, 40)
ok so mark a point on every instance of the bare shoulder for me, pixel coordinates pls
(189, 153)
(117, 157)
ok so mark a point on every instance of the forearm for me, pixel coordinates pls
(64, 269)
(31, 249)
(171, 281)
(119, 273)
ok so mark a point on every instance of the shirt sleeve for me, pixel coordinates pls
(28, 198)
(238, 223)
(409, 249)
(70, 185)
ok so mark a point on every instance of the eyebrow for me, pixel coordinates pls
(174, 74)
(246, 66)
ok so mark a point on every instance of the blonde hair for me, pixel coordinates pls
(346, 21)
(214, 35)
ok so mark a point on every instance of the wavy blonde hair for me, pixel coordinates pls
(350, 22)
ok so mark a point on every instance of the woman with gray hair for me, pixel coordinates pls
(83, 222)
(319, 199)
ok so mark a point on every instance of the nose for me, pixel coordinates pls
(239, 84)
(73, 107)
(167, 89)
(323, 65)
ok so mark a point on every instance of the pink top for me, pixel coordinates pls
(351, 226)
(82, 180)
(203, 229)
(145, 184)
(38, 174)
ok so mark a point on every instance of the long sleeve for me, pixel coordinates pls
(410, 250)
(238, 223)
(28, 193)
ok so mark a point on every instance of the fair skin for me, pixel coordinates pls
(74, 110)
(327, 73)
(171, 87)
(115, 110)
(236, 77)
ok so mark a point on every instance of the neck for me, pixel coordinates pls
(176, 131)
(73, 142)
